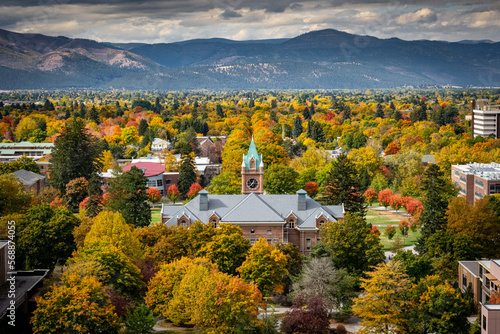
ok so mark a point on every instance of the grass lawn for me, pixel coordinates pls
(411, 240)
(376, 217)
(155, 215)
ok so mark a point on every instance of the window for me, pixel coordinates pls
(464, 282)
(478, 194)
(308, 244)
(168, 181)
(462, 179)
(252, 231)
(161, 192)
(214, 223)
(462, 191)
(484, 322)
(457, 173)
(291, 223)
(321, 222)
(269, 232)
(159, 183)
(479, 183)
(183, 223)
(494, 188)
(252, 242)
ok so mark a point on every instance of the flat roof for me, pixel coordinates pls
(491, 307)
(489, 171)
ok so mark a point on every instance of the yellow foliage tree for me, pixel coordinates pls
(107, 160)
(383, 304)
(130, 135)
(110, 227)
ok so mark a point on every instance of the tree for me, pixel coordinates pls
(227, 182)
(23, 162)
(227, 248)
(45, 237)
(370, 195)
(94, 191)
(396, 202)
(380, 111)
(154, 195)
(384, 197)
(438, 308)
(128, 195)
(415, 266)
(13, 197)
(320, 278)
(140, 320)
(111, 228)
(265, 266)
(352, 245)
(379, 183)
(143, 127)
(382, 307)
(433, 217)
(343, 186)
(80, 305)
(390, 231)
(294, 261)
(173, 193)
(76, 191)
(194, 190)
(280, 179)
(187, 175)
(75, 154)
(310, 317)
(297, 127)
(311, 188)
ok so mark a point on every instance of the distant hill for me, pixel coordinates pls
(324, 59)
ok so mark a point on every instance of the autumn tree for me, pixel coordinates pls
(173, 193)
(75, 154)
(154, 195)
(343, 186)
(13, 196)
(228, 182)
(370, 196)
(45, 237)
(22, 162)
(265, 266)
(128, 195)
(311, 188)
(396, 202)
(384, 197)
(111, 228)
(280, 179)
(383, 304)
(95, 201)
(227, 248)
(309, 316)
(194, 189)
(79, 305)
(76, 191)
(351, 244)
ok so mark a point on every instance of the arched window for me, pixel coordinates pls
(214, 223)
(291, 223)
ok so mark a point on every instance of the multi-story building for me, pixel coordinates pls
(485, 119)
(277, 218)
(476, 180)
(12, 151)
(484, 279)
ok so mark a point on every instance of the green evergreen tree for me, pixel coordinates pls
(143, 127)
(310, 127)
(317, 133)
(433, 217)
(94, 115)
(140, 320)
(128, 195)
(380, 111)
(306, 113)
(343, 186)
(219, 111)
(297, 127)
(346, 114)
(251, 104)
(157, 107)
(364, 180)
(94, 205)
(75, 154)
(187, 174)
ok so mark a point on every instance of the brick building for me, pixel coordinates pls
(484, 279)
(277, 218)
(476, 180)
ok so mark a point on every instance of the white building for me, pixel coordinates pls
(485, 119)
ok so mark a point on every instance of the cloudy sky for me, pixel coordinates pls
(155, 21)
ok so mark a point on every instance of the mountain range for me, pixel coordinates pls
(324, 59)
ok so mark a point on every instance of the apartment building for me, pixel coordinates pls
(484, 277)
(485, 119)
(12, 151)
(476, 180)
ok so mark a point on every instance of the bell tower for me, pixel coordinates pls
(252, 172)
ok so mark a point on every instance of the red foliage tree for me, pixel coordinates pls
(154, 195)
(392, 148)
(370, 195)
(194, 190)
(120, 303)
(390, 231)
(384, 197)
(83, 204)
(495, 298)
(311, 188)
(403, 226)
(396, 201)
(375, 230)
(173, 193)
(312, 318)
(414, 207)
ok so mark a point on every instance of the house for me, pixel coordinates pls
(278, 218)
(484, 278)
(485, 119)
(476, 180)
(31, 181)
(211, 147)
(25, 285)
(159, 144)
(11, 151)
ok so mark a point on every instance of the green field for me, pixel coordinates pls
(155, 216)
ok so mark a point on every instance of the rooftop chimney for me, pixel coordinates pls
(301, 200)
(203, 200)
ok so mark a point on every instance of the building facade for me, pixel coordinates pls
(485, 119)
(277, 218)
(12, 151)
(484, 279)
(476, 180)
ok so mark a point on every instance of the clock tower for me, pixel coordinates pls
(252, 172)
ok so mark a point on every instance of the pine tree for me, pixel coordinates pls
(364, 180)
(75, 154)
(318, 133)
(143, 127)
(310, 127)
(157, 107)
(346, 114)
(251, 104)
(187, 174)
(343, 186)
(380, 111)
(297, 127)
(219, 111)
(94, 205)
(94, 115)
(306, 113)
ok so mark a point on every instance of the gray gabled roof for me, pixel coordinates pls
(254, 209)
(27, 177)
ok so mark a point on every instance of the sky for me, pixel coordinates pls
(164, 21)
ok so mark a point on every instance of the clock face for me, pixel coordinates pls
(252, 183)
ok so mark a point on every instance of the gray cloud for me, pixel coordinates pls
(229, 14)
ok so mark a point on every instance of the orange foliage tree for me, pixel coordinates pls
(154, 195)
(370, 196)
(194, 190)
(384, 197)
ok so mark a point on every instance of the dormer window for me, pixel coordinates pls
(183, 223)
(214, 223)
(291, 223)
(252, 163)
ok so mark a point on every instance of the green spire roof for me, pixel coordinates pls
(252, 152)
